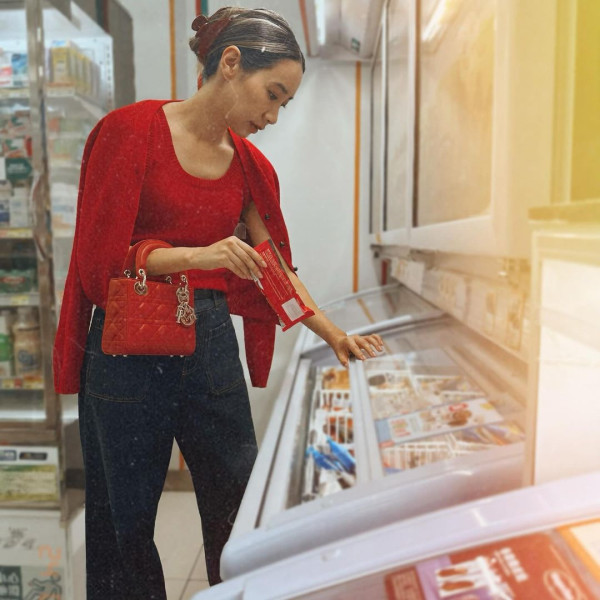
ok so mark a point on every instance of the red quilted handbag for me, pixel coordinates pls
(147, 316)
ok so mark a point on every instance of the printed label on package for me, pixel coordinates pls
(278, 290)
(442, 419)
(523, 568)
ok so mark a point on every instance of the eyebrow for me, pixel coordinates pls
(284, 90)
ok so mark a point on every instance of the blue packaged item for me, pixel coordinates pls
(19, 69)
(342, 455)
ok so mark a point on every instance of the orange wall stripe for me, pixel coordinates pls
(305, 25)
(356, 178)
(172, 49)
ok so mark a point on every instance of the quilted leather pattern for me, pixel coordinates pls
(146, 324)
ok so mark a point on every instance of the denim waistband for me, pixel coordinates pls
(207, 294)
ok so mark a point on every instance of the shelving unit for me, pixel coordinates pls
(56, 82)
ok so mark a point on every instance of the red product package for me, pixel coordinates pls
(279, 290)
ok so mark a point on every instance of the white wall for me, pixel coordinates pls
(151, 46)
(311, 147)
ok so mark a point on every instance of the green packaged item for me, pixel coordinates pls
(17, 281)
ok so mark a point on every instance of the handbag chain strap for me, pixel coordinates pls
(185, 314)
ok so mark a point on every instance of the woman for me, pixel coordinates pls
(184, 173)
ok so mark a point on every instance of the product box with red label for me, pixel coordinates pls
(535, 566)
(279, 290)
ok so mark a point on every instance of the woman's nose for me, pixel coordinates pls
(271, 116)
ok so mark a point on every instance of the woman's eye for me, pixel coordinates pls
(272, 96)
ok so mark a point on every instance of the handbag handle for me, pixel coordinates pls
(138, 255)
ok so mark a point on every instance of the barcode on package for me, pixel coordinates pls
(292, 309)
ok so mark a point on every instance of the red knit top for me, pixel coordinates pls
(112, 175)
(185, 210)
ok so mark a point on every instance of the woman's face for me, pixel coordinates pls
(256, 97)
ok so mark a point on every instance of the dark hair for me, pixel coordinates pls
(262, 36)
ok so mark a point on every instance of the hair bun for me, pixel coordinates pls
(207, 32)
(199, 21)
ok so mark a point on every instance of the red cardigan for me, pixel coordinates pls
(112, 172)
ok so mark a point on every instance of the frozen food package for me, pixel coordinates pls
(442, 419)
(335, 378)
(279, 290)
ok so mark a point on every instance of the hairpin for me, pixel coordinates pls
(207, 32)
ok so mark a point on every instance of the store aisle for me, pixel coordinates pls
(178, 537)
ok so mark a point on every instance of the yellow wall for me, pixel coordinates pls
(585, 181)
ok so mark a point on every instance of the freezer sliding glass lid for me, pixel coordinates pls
(368, 309)
(438, 392)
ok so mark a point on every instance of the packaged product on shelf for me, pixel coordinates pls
(18, 124)
(27, 343)
(20, 215)
(5, 68)
(17, 281)
(62, 63)
(5, 190)
(6, 347)
(69, 65)
(16, 147)
(4, 212)
(18, 169)
(19, 69)
(64, 207)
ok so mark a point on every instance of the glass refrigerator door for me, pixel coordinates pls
(565, 374)
(28, 407)
(434, 421)
(55, 83)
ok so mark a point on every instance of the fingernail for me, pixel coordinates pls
(263, 264)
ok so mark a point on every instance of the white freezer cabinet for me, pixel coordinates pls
(536, 542)
(434, 421)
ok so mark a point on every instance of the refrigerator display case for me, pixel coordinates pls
(55, 83)
(434, 421)
(537, 542)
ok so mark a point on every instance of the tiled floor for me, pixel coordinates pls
(178, 537)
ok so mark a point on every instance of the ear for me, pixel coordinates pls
(230, 62)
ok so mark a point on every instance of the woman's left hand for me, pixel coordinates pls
(358, 346)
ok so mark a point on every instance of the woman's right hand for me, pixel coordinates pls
(233, 254)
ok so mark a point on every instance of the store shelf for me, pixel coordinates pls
(16, 233)
(63, 97)
(21, 383)
(11, 93)
(67, 98)
(23, 299)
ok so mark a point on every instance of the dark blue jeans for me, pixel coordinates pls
(130, 409)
